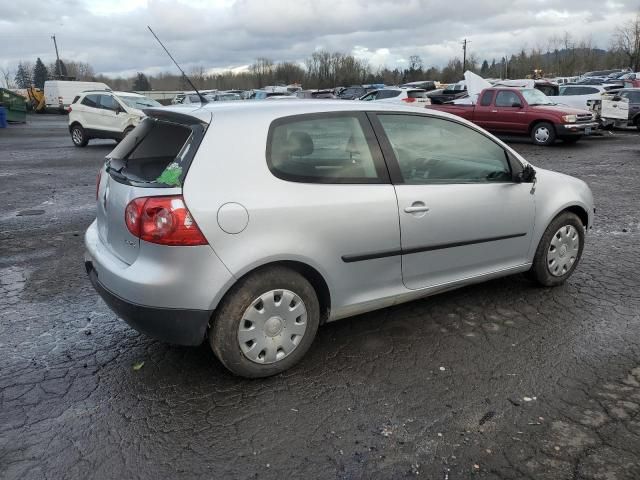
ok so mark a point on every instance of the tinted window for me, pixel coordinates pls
(505, 98)
(108, 102)
(416, 94)
(387, 94)
(90, 101)
(486, 99)
(433, 150)
(324, 149)
(369, 96)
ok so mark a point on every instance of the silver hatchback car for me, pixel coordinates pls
(251, 224)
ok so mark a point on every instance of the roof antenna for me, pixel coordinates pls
(203, 100)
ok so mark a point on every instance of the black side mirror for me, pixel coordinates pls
(616, 98)
(527, 175)
(516, 105)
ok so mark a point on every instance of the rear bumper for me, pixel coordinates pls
(575, 129)
(177, 326)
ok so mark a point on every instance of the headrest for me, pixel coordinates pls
(299, 144)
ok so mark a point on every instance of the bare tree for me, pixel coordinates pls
(6, 76)
(627, 41)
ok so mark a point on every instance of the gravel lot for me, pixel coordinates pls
(502, 380)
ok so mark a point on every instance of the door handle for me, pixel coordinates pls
(416, 208)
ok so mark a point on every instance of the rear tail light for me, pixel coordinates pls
(409, 100)
(163, 220)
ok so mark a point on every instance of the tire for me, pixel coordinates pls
(543, 133)
(566, 258)
(638, 123)
(79, 136)
(242, 304)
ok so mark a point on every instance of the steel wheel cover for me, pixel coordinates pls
(272, 327)
(542, 134)
(563, 250)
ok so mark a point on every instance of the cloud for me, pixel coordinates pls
(222, 34)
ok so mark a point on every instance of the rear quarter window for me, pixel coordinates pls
(324, 148)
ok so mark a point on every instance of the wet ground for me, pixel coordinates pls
(502, 380)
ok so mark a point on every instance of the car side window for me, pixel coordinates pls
(505, 98)
(107, 102)
(322, 148)
(388, 94)
(435, 151)
(90, 101)
(487, 98)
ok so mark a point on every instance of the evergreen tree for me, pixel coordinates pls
(23, 77)
(40, 74)
(141, 83)
(485, 68)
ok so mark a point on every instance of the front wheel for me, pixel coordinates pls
(543, 133)
(266, 323)
(79, 136)
(559, 250)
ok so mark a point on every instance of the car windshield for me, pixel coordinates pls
(139, 102)
(535, 97)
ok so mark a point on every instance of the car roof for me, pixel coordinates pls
(284, 109)
(128, 94)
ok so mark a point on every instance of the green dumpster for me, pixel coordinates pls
(15, 105)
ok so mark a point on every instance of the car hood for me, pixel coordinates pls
(560, 109)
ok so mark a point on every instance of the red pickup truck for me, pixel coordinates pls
(524, 111)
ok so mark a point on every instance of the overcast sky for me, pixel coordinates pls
(218, 34)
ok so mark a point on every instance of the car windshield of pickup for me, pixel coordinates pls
(535, 97)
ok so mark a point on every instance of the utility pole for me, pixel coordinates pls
(58, 72)
(464, 55)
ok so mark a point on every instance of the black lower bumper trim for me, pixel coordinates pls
(177, 326)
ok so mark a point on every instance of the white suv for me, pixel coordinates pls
(105, 114)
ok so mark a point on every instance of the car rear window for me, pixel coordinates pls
(157, 153)
(417, 94)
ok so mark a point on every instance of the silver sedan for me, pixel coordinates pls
(249, 225)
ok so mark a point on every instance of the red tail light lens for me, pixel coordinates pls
(409, 100)
(163, 220)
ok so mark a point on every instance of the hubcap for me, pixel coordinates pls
(542, 134)
(272, 326)
(563, 250)
(77, 136)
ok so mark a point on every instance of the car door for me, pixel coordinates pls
(484, 113)
(461, 214)
(90, 118)
(108, 118)
(507, 117)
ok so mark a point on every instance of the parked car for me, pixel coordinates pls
(447, 94)
(416, 97)
(225, 97)
(106, 114)
(59, 94)
(427, 85)
(352, 207)
(317, 94)
(354, 92)
(263, 94)
(620, 108)
(525, 111)
(578, 96)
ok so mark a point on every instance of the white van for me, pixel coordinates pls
(60, 93)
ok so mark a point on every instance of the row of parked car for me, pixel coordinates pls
(542, 109)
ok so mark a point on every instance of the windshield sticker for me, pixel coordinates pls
(171, 175)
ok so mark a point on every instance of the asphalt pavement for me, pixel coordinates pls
(502, 380)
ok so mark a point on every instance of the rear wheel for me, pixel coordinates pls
(559, 250)
(638, 123)
(266, 323)
(543, 133)
(78, 136)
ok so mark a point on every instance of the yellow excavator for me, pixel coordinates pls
(36, 99)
